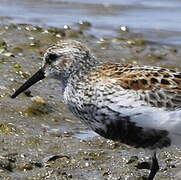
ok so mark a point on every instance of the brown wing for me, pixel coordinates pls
(160, 87)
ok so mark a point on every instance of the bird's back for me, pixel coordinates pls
(136, 105)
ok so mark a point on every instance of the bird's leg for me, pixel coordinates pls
(154, 167)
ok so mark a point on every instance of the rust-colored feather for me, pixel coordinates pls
(141, 78)
(159, 87)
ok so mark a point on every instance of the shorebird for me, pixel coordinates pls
(136, 105)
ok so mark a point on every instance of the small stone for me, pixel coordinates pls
(132, 159)
(28, 93)
(84, 24)
(143, 165)
(8, 54)
(25, 166)
(5, 164)
(124, 28)
(2, 50)
(67, 27)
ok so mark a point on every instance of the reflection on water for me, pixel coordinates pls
(85, 134)
(148, 17)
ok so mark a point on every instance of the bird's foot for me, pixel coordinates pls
(154, 167)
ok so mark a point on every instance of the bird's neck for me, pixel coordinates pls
(78, 72)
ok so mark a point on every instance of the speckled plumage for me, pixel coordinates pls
(137, 105)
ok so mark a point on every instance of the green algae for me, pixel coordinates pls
(3, 44)
(33, 141)
(2, 60)
(7, 128)
(136, 42)
(38, 107)
(55, 31)
(17, 66)
(84, 25)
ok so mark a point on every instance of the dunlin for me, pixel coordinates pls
(136, 105)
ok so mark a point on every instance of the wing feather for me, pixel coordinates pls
(159, 87)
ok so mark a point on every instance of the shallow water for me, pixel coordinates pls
(85, 134)
(157, 20)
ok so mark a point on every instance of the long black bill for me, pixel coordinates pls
(32, 80)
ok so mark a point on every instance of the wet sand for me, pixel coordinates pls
(40, 138)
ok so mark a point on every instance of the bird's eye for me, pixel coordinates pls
(52, 56)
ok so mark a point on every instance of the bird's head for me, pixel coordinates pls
(60, 61)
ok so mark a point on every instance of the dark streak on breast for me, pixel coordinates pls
(127, 132)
